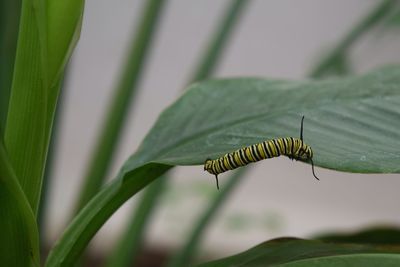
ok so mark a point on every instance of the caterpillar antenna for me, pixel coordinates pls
(301, 128)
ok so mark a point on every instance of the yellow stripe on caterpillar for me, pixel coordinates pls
(294, 148)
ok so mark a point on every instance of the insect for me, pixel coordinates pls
(294, 148)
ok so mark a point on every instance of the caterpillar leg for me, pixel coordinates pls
(312, 168)
(216, 179)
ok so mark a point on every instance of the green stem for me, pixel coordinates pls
(373, 18)
(124, 95)
(184, 257)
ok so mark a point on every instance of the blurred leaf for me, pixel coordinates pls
(214, 51)
(393, 20)
(133, 177)
(48, 33)
(376, 235)
(351, 123)
(9, 21)
(338, 66)
(126, 250)
(185, 255)
(48, 172)
(298, 252)
(339, 52)
(19, 237)
(123, 96)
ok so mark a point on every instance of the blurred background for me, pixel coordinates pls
(278, 197)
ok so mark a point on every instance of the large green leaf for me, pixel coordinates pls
(352, 125)
(298, 252)
(9, 18)
(48, 32)
(19, 236)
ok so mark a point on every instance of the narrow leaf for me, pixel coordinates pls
(133, 177)
(125, 252)
(125, 92)
(329, 63)
(9, 22)
(19, 236)
(184, 257)
(215, 48)
(127, 248)
(35, 86)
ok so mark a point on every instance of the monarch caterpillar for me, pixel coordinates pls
(294, 148)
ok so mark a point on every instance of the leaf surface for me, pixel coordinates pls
(298, 252)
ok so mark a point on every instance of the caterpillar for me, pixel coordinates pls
(294, 148)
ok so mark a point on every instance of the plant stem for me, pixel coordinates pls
(373, 18)
(124, 95)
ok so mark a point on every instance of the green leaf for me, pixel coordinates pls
(338, 53)
(19, 235)
(123, 98)
(134, 176)
(64, 20)
(298, 252)
(215, 48)
(375, 235)
(126, 250)
(9, 21)
(48, 32)
(382, 259)
(184, 257)
(350, 123)
(358, 115)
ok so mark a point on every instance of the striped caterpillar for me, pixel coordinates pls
(294, 148)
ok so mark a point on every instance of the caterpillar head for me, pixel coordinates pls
(305, 152)
(308, 152)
